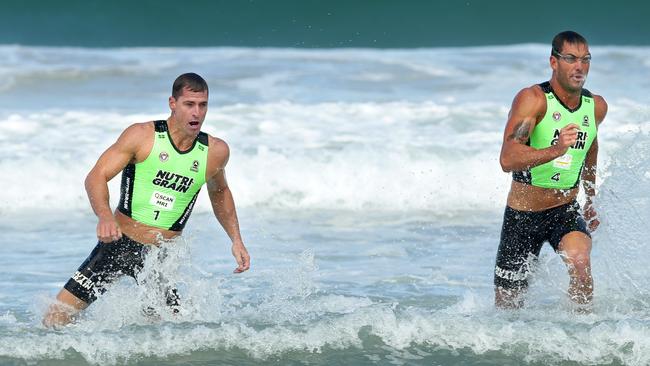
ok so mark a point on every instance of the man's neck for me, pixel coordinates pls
(182, 140)
(570, 98)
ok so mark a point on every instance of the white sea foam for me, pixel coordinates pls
(339, 156)
(363, 140)
(397, 155)
(343, 129)
(538, 336)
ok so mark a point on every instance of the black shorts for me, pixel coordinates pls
(106, 263)
(522, 236)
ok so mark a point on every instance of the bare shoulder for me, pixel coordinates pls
(528, 105)
(218, 152)
(600, 106)
(136, 140)
(218, 146)
(137, 131)
(533, 91)
(530, 98)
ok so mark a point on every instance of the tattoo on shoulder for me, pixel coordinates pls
(521, 132)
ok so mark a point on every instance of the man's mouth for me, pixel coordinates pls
(578, 77)
(194, 123)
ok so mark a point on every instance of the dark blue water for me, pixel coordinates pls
(318, 24)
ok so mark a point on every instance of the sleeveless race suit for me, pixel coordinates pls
(562, 172)
(524, 232)
(161, 190)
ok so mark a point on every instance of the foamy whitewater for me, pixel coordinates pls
(369, 194)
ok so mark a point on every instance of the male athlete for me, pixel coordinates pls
(163, 164)
(550, 145)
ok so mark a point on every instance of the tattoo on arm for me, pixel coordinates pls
(521, 132)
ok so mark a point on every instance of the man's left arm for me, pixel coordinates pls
(223, 203)
(589, 171)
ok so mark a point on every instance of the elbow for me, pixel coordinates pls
(506, 164)
(90, 178)
(87, 181)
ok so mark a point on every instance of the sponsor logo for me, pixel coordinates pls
(195, 166)
(519, 275)
(580, 144)
(83, 281)
(164, 201)
(585, 120)
(163, 156)
(563, 162)
(187, 212)
(172, 181)
(127, 196)
(557, 116)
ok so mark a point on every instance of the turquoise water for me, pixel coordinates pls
(318, 24)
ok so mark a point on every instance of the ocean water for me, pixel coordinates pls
(317, 24)
(369, 194)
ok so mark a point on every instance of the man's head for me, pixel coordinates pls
(191, 81)
(568, 37)
(189, 102)
(570, 60)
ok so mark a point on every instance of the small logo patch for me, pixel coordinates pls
(585, 121)
(195, 166)
(163, 156)
(164, 201)
(563, 162)
(557, 116)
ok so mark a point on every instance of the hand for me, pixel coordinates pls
(241, 256)
(568, 137)
(107, 229)
(591, 216)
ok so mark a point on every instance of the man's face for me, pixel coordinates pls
(189, 109)
(571, 66)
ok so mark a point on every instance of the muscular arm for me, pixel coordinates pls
(223, 204)
(110, 163)
(589, 171)
(528, 107)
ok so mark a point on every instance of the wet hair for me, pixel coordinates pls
(569, 37)
(191, 81)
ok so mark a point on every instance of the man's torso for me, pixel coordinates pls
(555, 183)
(158, 193)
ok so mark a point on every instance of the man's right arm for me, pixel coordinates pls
(109, 164)
(528, 108)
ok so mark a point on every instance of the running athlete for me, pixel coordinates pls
(163, 164)
(550, 145)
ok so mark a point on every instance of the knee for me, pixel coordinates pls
(575, 247)
(63, 310)
(578, 259)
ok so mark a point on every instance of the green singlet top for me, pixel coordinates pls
(161, 190)
(562, 172)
